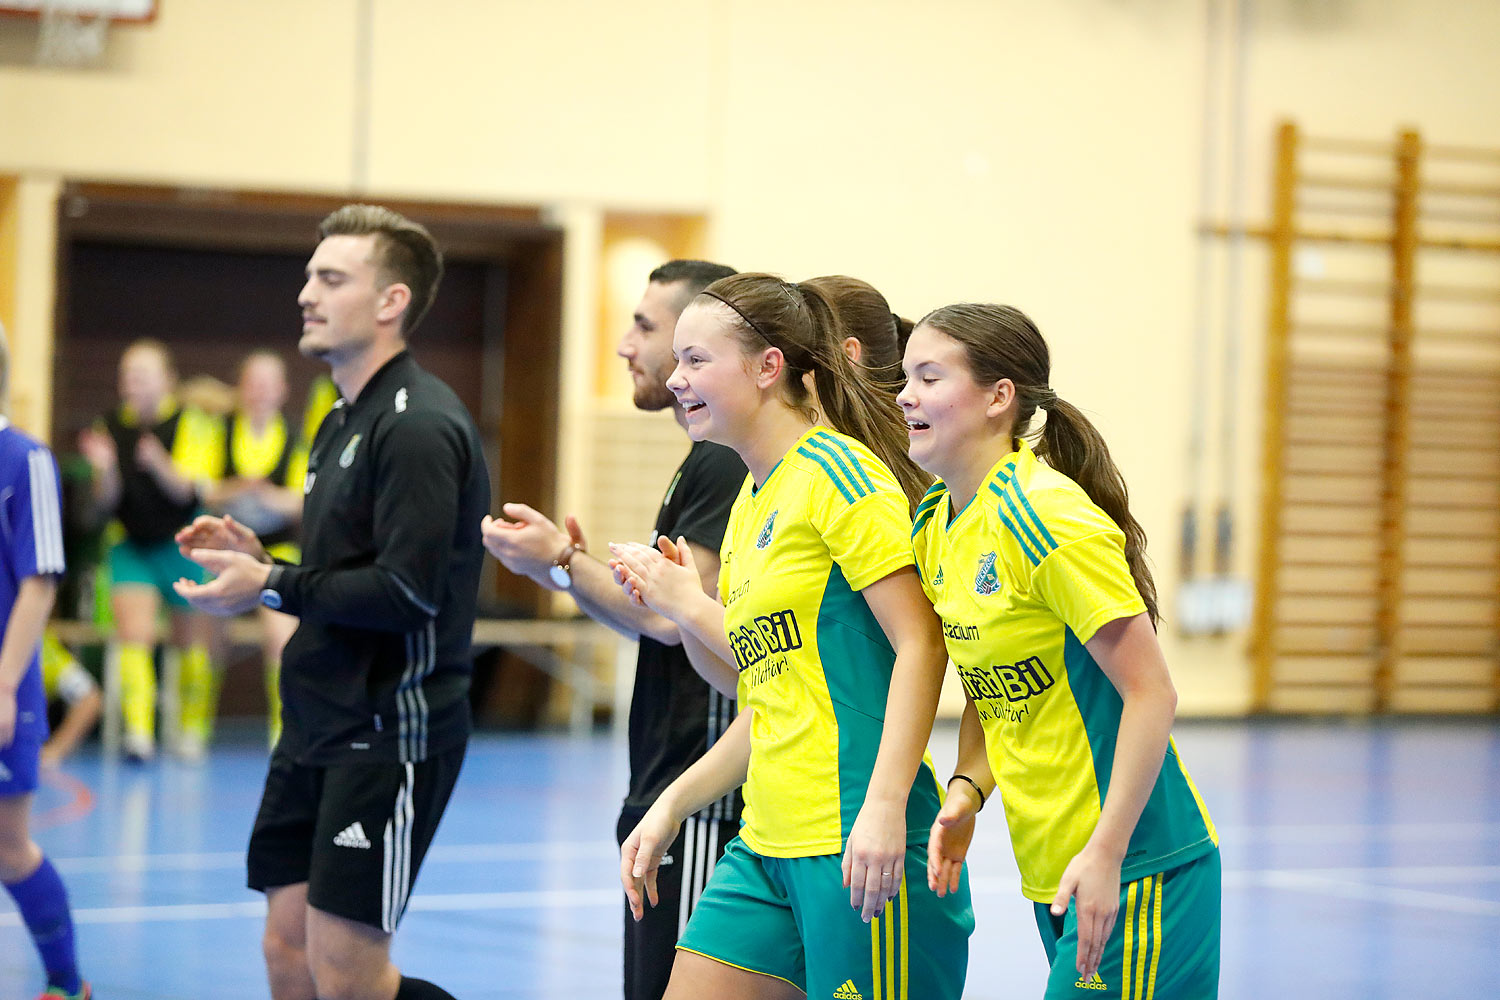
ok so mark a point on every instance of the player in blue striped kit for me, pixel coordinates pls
(31, 561)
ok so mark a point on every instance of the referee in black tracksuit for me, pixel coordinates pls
(375, 680)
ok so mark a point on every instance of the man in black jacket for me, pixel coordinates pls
(375, 680)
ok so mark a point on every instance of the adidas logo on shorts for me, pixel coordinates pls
(352, 835)
(847, 992)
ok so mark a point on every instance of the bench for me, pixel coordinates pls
(569, 650)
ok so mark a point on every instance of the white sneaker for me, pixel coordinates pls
(191, 748)
(139, 748)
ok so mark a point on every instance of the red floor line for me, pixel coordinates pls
(79, 806)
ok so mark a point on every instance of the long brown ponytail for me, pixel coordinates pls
(1001, 342)
(866, 316)
(802, 323)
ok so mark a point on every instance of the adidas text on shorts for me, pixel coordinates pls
(355, 833)
(1164, 946)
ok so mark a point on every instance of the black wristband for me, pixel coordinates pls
(977, 790)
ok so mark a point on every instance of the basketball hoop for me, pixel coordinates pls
(69, 35)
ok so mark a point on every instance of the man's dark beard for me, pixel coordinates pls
(654, 394)
(653, 398)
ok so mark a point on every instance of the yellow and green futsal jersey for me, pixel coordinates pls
(814, 663)
(269, 455)
(1022, 577)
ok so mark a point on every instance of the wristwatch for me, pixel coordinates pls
(269, 595)
(560, 570)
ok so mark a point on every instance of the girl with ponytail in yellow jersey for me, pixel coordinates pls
(823, 630)
(1037, 569)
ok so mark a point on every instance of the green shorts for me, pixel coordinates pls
(153, 564)
(1164, 946)
(790, 918)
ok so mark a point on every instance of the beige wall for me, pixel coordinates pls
(1040, 153)
(28, 235)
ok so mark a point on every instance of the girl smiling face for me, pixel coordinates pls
(953, 421)
(714, 382)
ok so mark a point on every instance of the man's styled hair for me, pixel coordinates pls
(693, 275)
(405, 252)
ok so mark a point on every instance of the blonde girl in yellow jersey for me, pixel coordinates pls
(823, 631)
(1037, 569)
(260, 485)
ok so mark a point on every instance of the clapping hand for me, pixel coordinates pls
(235, 588)
(210, 532)
(98, 448)
(152, 455)
(528, 542)
(664, 579)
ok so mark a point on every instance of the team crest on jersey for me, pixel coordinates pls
(346, 457)
(764, 538)
(401, 400)
(986, 581)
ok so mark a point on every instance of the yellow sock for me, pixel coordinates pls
(196, 684)
(273, 701)
(55, 656)
(138, 689)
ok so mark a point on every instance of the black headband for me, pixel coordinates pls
(748, 321)
(785, 286)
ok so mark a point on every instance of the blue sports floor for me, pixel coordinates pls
(1361, 860)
